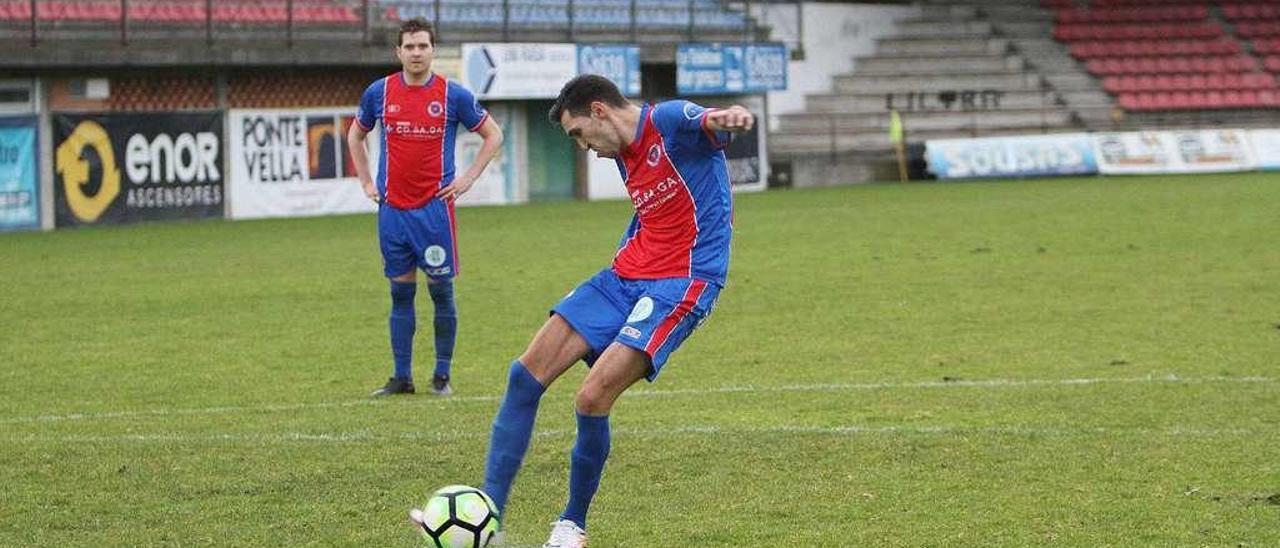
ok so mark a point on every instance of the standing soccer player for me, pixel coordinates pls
(626, 320)
(420, 112)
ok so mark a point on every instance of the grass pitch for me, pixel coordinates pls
(1072, 362)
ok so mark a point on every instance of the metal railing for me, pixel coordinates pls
(127, 21)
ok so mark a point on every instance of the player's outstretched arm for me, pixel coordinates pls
(735, 119)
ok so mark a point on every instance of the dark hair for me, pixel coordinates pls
(577, 95)
(417, 24)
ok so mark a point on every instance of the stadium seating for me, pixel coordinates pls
(1175, 55)
(528, 14)
(184, 11)
(585, 14)
(946, 72)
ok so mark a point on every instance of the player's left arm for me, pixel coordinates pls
(492, 135)
(475, 118)
(735, 119)
(689, 125)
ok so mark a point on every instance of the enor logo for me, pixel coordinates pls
(434, 255)
(641, 311)
(655, 152)
(435, 109)
(70, 163)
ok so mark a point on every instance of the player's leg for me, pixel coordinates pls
(554, 349)
(433, 234)
(581, 326)
(399, 265)
(446, 333)
(403, 323)
(618, 368)
(661, 319)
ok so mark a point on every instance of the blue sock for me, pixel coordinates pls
(512, 429)
(403, 322)
(446, 326)
(586, 465)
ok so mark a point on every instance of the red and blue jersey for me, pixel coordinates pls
(678, 180)
(419, 127)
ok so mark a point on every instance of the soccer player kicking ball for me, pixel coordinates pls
(626, 320)
(420, 112)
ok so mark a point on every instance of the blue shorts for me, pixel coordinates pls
(652, 316)
(418, 238)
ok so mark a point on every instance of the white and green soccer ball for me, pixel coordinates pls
(457, 516)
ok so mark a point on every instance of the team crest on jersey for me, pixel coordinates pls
(435, 109)
(655, 152)
(393, 108)
(434, 256)
(692, 110)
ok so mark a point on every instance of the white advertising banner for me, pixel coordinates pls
(1132, 152)
(293, 164)
(1021, 156)
(1266, 148)
(1213, 150)
(1188, 151)
(518, 71)
(503, 181)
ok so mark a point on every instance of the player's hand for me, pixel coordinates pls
(735, 118)
(458, 187)
(371, 192)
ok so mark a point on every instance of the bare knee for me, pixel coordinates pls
(593, 399)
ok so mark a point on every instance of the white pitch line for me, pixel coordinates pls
(745, 389)
(366, 436)
(959, 383)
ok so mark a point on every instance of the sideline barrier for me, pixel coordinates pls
(1266, 148)
(1119, 153)
(1190, 151)
(19, 174)
(295, 163)
(1023, 156)
(124, 168)
(292, 163)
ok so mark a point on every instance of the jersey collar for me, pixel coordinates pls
(635, 146)
(430, 79)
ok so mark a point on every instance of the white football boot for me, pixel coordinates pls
(566, 534)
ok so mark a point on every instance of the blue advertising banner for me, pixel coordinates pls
(617, 62)
(1021, 156)
(19, 180)
(722, 69)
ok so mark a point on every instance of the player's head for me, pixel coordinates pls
(417, 45)
(587, 109)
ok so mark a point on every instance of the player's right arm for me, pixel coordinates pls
(366, 118)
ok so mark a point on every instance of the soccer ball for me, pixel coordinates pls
(457, 516)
